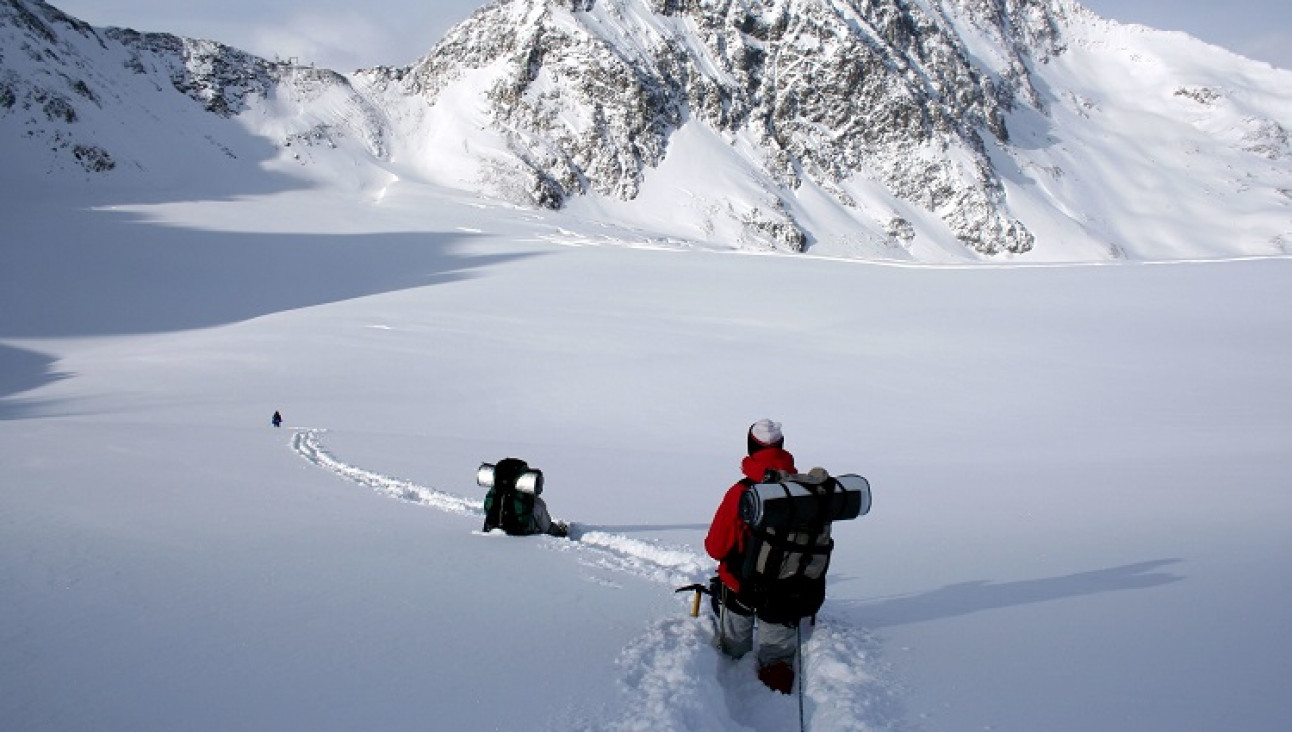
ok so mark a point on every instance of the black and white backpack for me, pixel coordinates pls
(782, 568)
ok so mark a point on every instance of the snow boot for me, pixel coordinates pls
(778, 676)
(559, 528)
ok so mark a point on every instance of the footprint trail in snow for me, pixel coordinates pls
(672, 673)
(655, 561)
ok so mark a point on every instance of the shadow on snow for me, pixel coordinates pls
(99, 273)
(965, 598)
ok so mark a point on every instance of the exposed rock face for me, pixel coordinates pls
(217, 76)
(588, 94)
(55, 70)
(891, 116)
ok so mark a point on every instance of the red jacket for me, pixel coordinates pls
(727, 533)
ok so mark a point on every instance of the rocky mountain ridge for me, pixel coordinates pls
(825, 89)
(64, 84)
(898, 116)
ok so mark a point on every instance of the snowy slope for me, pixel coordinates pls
(1155, 144)
(1080, 517)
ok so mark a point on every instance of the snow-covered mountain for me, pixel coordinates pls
(126, 106)
(1081, 506)
(898, 129)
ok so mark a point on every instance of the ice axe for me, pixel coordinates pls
(698, 589)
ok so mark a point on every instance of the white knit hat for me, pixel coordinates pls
(767, 433)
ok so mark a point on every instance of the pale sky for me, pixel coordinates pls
(346, 34)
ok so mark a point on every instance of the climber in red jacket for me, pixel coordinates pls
(726, 541)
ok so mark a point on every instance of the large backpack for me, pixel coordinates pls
(782, 568)
(509, 504)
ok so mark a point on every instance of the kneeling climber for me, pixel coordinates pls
(513, 503)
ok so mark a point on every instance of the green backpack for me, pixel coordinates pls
(509, 504)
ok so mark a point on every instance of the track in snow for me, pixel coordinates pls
(655, 561)
(672, 672)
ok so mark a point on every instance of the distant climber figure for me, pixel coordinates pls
(278, 419)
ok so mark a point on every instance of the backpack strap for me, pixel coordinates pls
(735, 557)
(824, 493)
(493, 509)
(771, 549)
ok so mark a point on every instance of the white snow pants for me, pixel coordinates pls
(775, 642)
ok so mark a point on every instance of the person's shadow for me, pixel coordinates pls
(964, 598)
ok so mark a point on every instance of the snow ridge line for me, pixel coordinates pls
(654, 561)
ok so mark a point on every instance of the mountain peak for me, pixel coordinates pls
(588, 93)
(875, 128)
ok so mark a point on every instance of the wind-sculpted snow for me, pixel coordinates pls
(672, 673)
